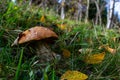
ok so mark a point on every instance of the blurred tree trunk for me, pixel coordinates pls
(30, 2)
(87, 11)
(14, 1)
(98, 14)
(62, 9)
(110, 13)
(78, 12)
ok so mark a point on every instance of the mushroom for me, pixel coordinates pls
(39, 37)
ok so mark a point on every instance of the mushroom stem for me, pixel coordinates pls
(44, 52)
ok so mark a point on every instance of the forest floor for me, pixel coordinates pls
(86, 51)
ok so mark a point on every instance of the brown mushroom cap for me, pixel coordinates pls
(34, 33)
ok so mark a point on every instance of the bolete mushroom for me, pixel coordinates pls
(39, 36)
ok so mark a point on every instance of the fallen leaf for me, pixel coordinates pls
(73, 75)
(66, 53)
(42, 19)
(61, 26)
(95, 58)
(107, 48)
(111, 50)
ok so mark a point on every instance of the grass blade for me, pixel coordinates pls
(19, 65)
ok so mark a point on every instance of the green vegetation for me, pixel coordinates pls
(17, 63)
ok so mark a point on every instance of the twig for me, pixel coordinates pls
(74, 38)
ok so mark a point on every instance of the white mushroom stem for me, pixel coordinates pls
(44, 52)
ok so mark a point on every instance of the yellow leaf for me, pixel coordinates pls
(61, 26)
(95, 59)
(42, 19)
(73, 75)
(66, 53)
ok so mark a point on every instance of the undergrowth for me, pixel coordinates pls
(15, 62)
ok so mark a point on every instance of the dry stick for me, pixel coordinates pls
(74, 38)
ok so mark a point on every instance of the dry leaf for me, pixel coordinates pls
(112, 51)
(95, 59)
(107, 48)
(61, 26)
(66, 53)
(73, 75)
(42, 19)
(35, 33)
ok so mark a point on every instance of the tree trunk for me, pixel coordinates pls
(98, 14)
(87, 11)
(62, 9)
(110, 13)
